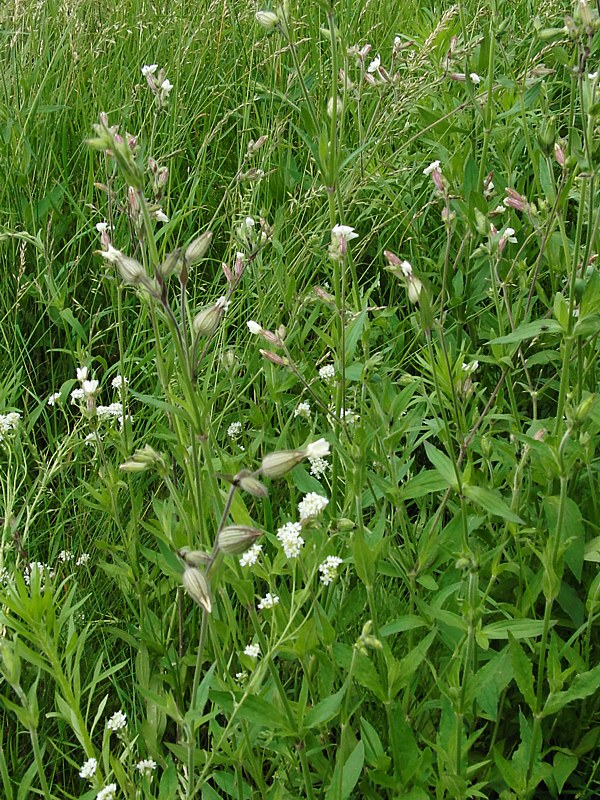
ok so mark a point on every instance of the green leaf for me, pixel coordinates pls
(443, 465)
(352, 769)
(405, 623)
(583, 686)
(523, 672)
(489, 682)
(528, 331)
(491, 502)
(324, 711)
(517, 628)
(562, 766)
(426, 482)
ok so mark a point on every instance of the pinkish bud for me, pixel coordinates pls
(515, 200)
(227, 271)
(273, 358)
(559, 155)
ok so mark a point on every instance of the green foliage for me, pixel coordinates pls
(434, 328)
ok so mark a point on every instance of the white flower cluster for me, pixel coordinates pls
(252, 650)
(250, 557)
(268, 601)
(312, 505)
(8, 423)
(302, 410)
(85, 397)
(290, 538)
(234, 430)
(88, 770)
(117, 722)
(328, 569)
(108, 793)
(146, 767)
(318, 466)
(327, 373)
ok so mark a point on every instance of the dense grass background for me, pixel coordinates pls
(456, 654)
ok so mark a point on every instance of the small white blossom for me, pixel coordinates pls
(146, 767)
(76, 396)
(349, 416)
(469, 368)
(114, 410)
(234, 430)
(119, 381)
(375, 64)
(102, 227)
(252, 650)
(433, 167)
(328, 569)
(290, 538)
(88, 769)
(250, 557)
(89, 387)
(268, 601)
(311, 505)
(82, 373)
(53, 398)
(83, 559)
(475, 78)
(318, 466)
(254, 327)
(160, 215)
(317, 449)
(166, 87)
(302, 410)
(149, 69)
(117, 722)
(241, 677)
(8, 423)
(344, 230)
(327, 372)
(108, 793)
(66, 555)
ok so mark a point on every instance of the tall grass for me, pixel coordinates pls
(313, 509)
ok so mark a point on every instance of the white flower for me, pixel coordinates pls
(433, 167)
(252, 650)
(160, 215)
(254, 327)
(499, 209)
(593, 75)
(469, 368)
(108, 793)
(102, 227)
(53, 398)
(475, 77)
(508, 235)
(146, 767)
(76, 396)
(344, 230)
(166, 87)
(8, 423)
(119, 381)
(318, 466)
(311, 505)
(268, 601)
(302, 410)
(375, 64)
(349, 416)
(328, 569)
(327, 372)
(88, 769)
(149, 69)
(250, 557)
(406, 268)
(222, 304)
(234, 430)
(83, 559)
(66, 555)
(291, 541)
(241, 677)
(89, 387)
(317, 449)
(82, 373)
(111, 411)
(117, 721)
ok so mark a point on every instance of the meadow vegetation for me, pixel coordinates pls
(298, 400)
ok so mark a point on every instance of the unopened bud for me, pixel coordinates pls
(414, 288)
(559, 155)
(267, 19)
(197, 249)
(197, 587)
(583, 409)
(236, 539)
(172, 263)
(274, 358)
(254, 146)
(143, 459)
(131, 271)
(246, 481)
(277, 464)
(206, 321)
(326, 297)
(194, 558)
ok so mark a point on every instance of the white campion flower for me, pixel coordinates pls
(475, 78)
(149, 69)
(433, 167)
(375, 64)
(82, 373)
(160, 215)
(268, 601)
(252, 650)
(254, 327)
(166, 87)
(90, 387)
(318, 449)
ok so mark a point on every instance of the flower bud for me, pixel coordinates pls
(246, 481)
(235, 539)
(197, 249)
(143, 459)
(196, 585)
(194, 558)
(172, 263)
(206, 321)
(277, 464)
(267, 19)
(131, 271)
(274, 358)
